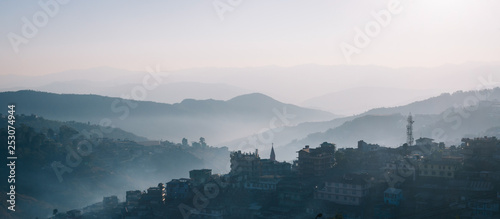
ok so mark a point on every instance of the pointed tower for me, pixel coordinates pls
(273, 156)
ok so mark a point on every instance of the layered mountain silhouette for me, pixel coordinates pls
(215, 120)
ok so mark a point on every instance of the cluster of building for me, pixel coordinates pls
(425, 180)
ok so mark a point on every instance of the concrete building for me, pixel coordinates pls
(244, 163)
(293, 193)
(154, 195)
(262, 184)
(440, 169)
(178, 189)
(316, 161)
(268, 167)
(251, 165)
(133, 197)
(199, 177)
(350, 189)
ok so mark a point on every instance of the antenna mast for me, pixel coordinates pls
(409, 131)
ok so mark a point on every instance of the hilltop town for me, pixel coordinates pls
(425, 179)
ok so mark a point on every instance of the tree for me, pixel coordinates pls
(195, 144)
(185, 142)
(66, 132)
(442, 145)
(406, 149)
(50, 133)
(340, 159)
(202, 142)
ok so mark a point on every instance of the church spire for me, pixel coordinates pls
(273, 156)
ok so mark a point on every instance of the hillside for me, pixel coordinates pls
(390, 130)
(61, 169)
(430, 110)
(41, 124)
(215, 120)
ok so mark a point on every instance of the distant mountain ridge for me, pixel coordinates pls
(164, 93)
(428, 113)
(450, 114)
(215, 120)
(307, 85)
(359, 99)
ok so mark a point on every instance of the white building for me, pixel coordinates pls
(346, 190)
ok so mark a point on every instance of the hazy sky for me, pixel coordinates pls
(189, 34)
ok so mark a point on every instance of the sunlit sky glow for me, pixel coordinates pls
(132, 34)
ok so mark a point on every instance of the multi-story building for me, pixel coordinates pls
(250, 164)
(441, 169)
(269, 167)
(199, 177)
(485, 147)
(316, 161)
(154, 195)
(349, 189)
(178, 189)
(244, 163)
(293, 192)
(133, 197)
(262, 184)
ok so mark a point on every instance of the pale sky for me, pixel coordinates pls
(132, 34)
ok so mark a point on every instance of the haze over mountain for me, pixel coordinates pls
(341, 89)
(358, 100)
(446, 118)
(110, 166)
(215, 120)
